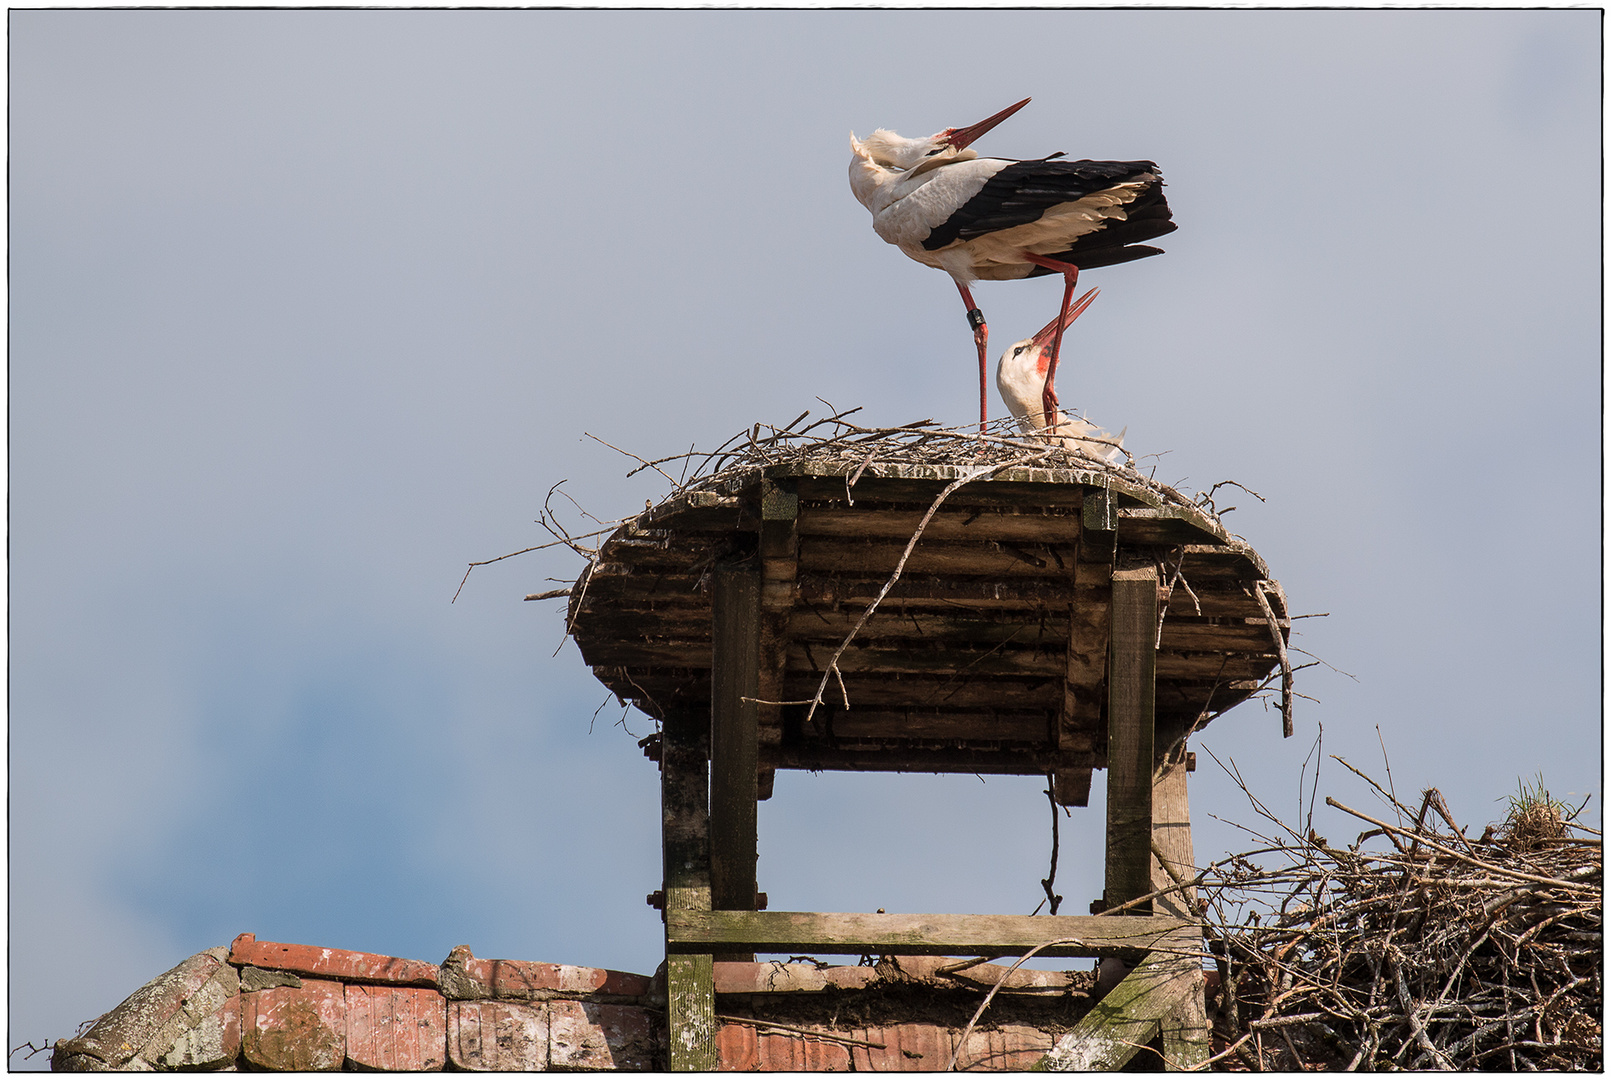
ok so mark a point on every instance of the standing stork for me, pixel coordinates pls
(998, 219)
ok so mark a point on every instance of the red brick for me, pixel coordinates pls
(524, 980)
(331, 963)
(906, 1048)
(743, 1048)
(497, 1036)
(396, 1028)
(772, 977)
(587, 1035)
(1011, 1047)
(295, 1028)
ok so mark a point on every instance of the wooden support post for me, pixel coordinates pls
(780, 563)
(1132, 663)
(1085, 668)
(735, 686)
(1184, 1032)
(684, 829)
(1133, 1012)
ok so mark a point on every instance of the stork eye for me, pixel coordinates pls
(936, 150)
(1018, 350)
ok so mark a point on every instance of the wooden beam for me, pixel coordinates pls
(734, 730)
(997, 761)
(917, 935)
(779, 549)
(1131, 672)
(1085, 658)
(684, 825)
(1133, 1012)
(1184, 1032)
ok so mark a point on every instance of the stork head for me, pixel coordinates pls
(1021, 374)
(884, 149)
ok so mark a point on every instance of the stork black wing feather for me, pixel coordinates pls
(1023, 191)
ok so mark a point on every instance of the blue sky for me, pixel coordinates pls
(310, 309)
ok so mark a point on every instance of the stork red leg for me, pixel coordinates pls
(1071, 274)
(981, 335)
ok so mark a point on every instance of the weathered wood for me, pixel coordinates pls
(779, 553)
(874, 555)
(1171, 822)
(1026, 726)
(1134, 1011)
(939, 691)
(919, 625)
(951, 592)
(1027, 524)
(918, 935)
(948, 659)
(991, 760)
(734, 745)
(691, 1026)
(1086, 646)
(1130, 735)
(684, 824)
(989, 588)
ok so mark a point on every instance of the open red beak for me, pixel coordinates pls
(1043, 340)
(959, 138)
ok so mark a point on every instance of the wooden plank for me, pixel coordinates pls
(919, 935)
(951, 592)
(1207, 666)
(734, 743)
(926, 659)
(1134, 1011)
(1130, 735)
(1017, 726)
(932, 691)
(1027, 524)
(1243, 636)
(684, 825)
(873, 556)
(991, 627)
(1171, 525)
(875, 489)
(994, 761)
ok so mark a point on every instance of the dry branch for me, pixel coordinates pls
(1425, 950)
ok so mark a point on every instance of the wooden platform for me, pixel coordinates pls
(1045, 621)
(989, 653)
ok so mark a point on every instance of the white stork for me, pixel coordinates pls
(996, 219)
(1021, 378)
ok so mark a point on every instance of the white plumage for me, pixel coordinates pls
(1021, 376)
(997, 219)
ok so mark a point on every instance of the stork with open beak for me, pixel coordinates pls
(998, 219)
(1021, 377)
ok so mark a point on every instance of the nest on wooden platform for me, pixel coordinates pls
(837, 439)
(1415, 947)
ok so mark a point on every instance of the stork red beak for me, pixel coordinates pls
(1043, 340)
(959, 138)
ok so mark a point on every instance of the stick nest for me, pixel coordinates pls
(836, 439)
(1412, 948)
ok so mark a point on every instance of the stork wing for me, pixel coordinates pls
(1023, 192)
